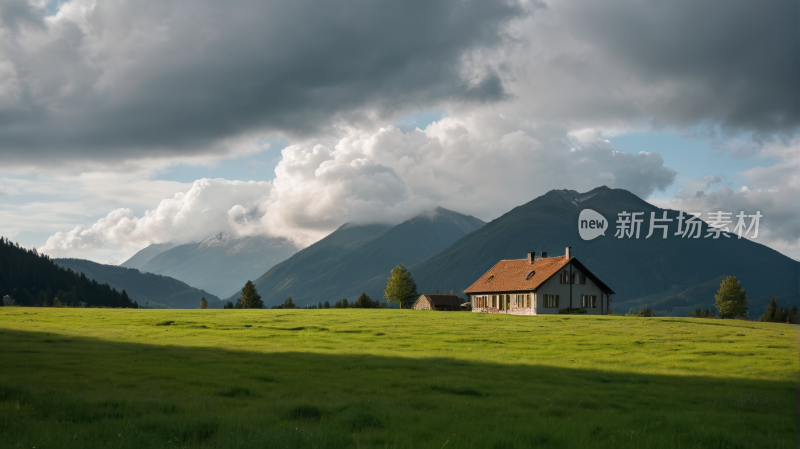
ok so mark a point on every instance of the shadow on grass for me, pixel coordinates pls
(82, 392)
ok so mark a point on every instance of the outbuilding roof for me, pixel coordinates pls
(442, 300)
(521, 275)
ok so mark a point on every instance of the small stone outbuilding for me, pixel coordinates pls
(436, 302)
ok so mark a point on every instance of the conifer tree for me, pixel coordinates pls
(249, 299)
(203, 303)
(731, 299)
(365, 302)
(769, 315)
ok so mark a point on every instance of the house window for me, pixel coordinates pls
(565, 277)
(550, 301)
(583, 279)
(589, 301)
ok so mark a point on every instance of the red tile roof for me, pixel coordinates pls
(513, 275)
(510, 275)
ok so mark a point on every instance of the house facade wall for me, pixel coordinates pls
(553, 286)
(493, 304)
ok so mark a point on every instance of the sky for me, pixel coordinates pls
(124, 124)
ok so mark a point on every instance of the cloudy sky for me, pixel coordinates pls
(126, 123)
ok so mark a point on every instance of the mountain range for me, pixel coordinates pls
(220, 264)
(446, 250)
(341, 264)
(672, 275)
(147, 289)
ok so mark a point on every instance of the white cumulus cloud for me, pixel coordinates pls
(382, 176)
(201, 211)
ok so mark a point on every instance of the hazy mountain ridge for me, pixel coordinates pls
(342, 263)
(143, 287)
(223, 263)
(144, 255)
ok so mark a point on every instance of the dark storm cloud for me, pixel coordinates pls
(134, 79)
(732, 63)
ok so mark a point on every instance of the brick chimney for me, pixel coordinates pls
(568, 248)
(531, 257)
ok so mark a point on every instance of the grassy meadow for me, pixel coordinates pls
(364, 378)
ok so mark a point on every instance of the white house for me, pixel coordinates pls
(539, 286)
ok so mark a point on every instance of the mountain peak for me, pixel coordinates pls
(573, 197)
(467, 223)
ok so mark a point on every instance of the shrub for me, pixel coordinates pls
(699, 313)
(572, 311)
(646, 312)
(288, 304)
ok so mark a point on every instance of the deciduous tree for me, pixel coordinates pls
(401, 287)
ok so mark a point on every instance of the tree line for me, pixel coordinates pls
(775, 314)
(250, 299)
(32, 279)
(400, 289)
(731, 301)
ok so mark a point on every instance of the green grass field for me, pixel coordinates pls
(391, 379)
